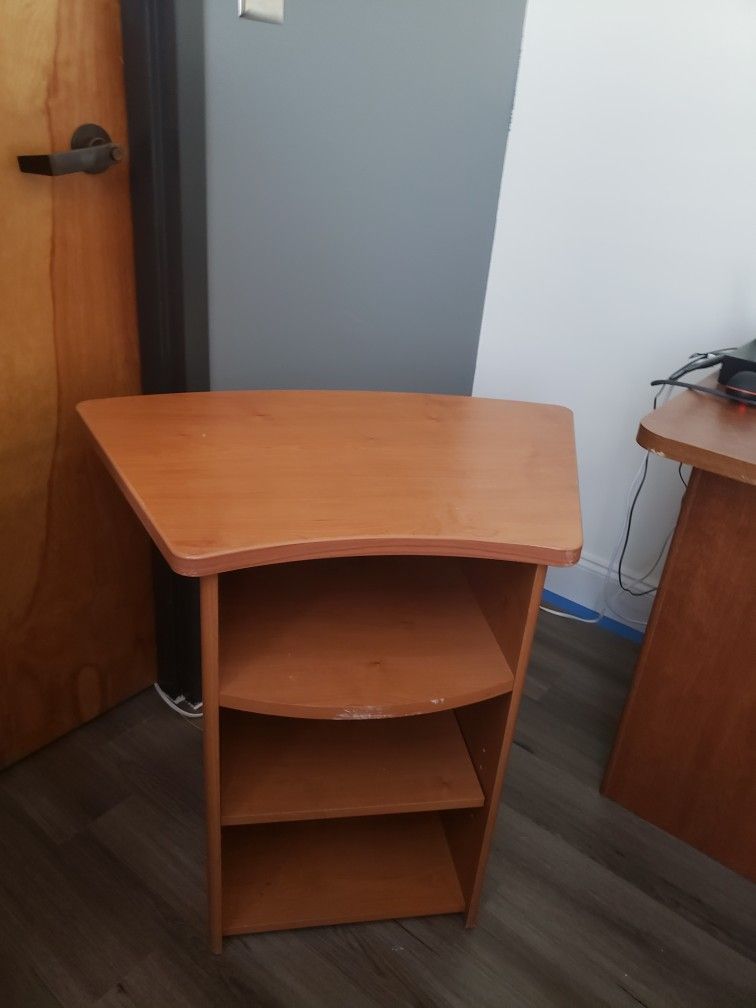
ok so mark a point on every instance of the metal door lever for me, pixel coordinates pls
(92, 151)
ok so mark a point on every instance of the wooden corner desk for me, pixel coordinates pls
(371, 566)
(685, 754)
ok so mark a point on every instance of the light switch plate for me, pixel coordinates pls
(262, 10)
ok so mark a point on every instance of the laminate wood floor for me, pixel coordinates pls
(102, 884)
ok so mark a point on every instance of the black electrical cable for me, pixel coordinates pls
(682, 478)
(729, 396)
(697, 362)
(622, 585)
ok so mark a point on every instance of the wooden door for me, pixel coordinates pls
(76, 626)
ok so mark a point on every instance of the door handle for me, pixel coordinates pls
(92, 151)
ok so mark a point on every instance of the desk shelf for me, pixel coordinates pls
(290, 875)
(358, 715)
(362, 716)
(363, 637)
(275, 769)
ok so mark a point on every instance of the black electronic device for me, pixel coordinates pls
(738, 361)
(742, 385)
(736, 383)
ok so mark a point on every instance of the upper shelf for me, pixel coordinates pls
(225, 480)
(355, 638)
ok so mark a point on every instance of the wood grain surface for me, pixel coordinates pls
(357, 637)
(509, 595)
(275, 769)
(211, 756)
(685, 754)
(226, 480)
(290, 875)
(701, 431)
(75, 596)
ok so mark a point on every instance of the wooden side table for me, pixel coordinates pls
(371, 566)
(685, 754)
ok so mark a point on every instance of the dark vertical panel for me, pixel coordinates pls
(163, 69)
(190, 88)
(150, 74)
(177, 635)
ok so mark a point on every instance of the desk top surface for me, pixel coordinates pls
(226, 480)
(704, 432)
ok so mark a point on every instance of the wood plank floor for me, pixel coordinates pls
(102, 882)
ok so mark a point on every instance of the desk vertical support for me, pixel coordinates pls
(684, 755)
(211, 749)
(509, 595)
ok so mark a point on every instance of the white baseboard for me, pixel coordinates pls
(584, 584)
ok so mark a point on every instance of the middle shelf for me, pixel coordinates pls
(276, 769)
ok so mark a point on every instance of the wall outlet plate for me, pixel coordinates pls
(262, 10)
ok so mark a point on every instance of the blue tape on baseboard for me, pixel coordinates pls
(551, 598)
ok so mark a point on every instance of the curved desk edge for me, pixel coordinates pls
(201, 566)
(210, 562)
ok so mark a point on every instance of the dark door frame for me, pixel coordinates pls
(163, 52)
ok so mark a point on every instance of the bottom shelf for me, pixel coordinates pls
(289, 875)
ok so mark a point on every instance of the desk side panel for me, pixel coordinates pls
(685, 753)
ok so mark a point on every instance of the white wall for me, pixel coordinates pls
(626, 233)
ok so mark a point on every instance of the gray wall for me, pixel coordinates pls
(190, 93)
(354, 156)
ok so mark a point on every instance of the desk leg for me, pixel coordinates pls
(685, 754)
(509, 595)
(211, 747)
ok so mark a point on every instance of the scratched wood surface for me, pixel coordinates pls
(103, 903)
(357, 637)
(226, 480)
(704, 432)
(75, 592)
